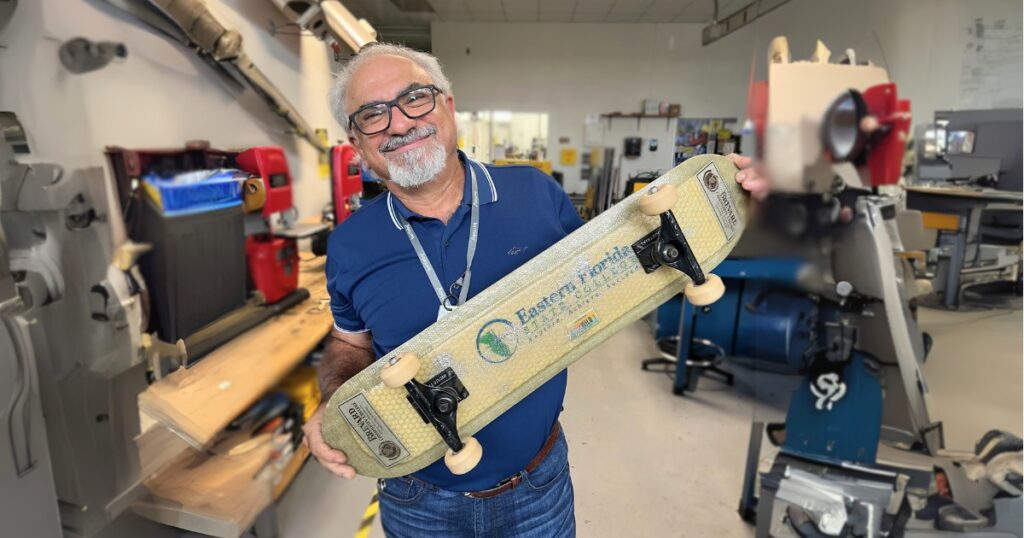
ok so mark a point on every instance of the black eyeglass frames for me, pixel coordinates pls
(376, 117)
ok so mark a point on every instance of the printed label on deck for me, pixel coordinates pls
(381, 441)
(720, 196)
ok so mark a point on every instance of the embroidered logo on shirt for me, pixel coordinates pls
(516, 250)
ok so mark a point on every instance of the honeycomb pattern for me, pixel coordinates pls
(588, 310)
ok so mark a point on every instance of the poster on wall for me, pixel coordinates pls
(990, 46)
(592, 131)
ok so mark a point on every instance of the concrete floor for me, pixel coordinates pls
(648, 463)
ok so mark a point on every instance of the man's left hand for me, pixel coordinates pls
(750, 176)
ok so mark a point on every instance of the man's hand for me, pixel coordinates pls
(758, 184)
(332, 460)
(750, 176)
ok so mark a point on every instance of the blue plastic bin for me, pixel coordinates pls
(194, 192)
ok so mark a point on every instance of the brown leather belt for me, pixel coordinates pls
(515, 480)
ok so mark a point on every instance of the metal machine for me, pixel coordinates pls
(859, 453)
(72, 307)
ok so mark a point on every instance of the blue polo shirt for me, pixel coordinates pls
(377, 284)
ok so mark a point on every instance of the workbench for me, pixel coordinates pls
(963, 206)
(222, 492)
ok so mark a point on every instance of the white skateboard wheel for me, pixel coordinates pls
(710, 291)
(465, 460)
(658, 200)
(400, 371)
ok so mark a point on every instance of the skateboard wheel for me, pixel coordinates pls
(710, 291)
(400, 371)
(658, 200)
(465, 460)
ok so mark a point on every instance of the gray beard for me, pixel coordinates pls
(417, 166)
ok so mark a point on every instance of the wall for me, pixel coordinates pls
(162, 94)
(571, 70)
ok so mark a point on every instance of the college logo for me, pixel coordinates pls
(711, 180)
(497, 340)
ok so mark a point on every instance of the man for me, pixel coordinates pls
(399, 110)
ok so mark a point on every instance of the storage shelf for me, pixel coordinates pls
(194, 483)
(639, 117)
(219, 494)
(199, 402)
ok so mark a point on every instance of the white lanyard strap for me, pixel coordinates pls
(474, 230)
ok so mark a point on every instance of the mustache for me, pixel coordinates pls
(414, 134)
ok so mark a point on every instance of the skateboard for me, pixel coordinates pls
(425, 399)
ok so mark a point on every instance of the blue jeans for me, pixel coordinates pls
(541, 506)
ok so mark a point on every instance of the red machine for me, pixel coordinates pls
(273, 257)
(273, 265)
(885, 157)
(346, 180)
(810, 115)
(269, 163)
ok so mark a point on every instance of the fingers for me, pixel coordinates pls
(340, 470)
(758, 187)
(869, 124)
(741, 161)
(331, 459)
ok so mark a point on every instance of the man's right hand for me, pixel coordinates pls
(332, 460)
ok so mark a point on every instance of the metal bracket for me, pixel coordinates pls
(437, 402)
(667, 245)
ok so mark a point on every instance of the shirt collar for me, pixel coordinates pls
(488, 193)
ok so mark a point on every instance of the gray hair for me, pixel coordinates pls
(427, 62)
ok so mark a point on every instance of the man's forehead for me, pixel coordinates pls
(382, 76)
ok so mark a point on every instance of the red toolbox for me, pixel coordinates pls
(273, 265)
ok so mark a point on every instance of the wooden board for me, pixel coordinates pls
(199, 402)
(1010, 197)
(158, 447)
(291, 470)
(218, 495)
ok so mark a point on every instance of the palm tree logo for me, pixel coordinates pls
(497, 341)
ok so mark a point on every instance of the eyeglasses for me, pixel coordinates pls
(376, 117)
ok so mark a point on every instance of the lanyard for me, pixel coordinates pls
(474, 229)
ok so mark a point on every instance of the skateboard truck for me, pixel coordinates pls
(437, 402)
(667, 245)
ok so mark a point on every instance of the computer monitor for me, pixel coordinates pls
(984, 142)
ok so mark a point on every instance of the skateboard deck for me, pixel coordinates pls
(529, 326)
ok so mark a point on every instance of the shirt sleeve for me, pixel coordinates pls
(346, 319)
(567, 213)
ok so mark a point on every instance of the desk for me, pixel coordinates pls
(190, 485)
(966, 203)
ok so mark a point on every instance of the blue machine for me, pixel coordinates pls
(842, 428)
(762, 315)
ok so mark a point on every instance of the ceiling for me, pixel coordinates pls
(385, 13)
(408, 21)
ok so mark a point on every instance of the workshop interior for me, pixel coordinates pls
(171, 173)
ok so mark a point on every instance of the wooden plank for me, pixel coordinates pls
(158, 447)
(291, 470)
(199, 402)
(215, 494)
